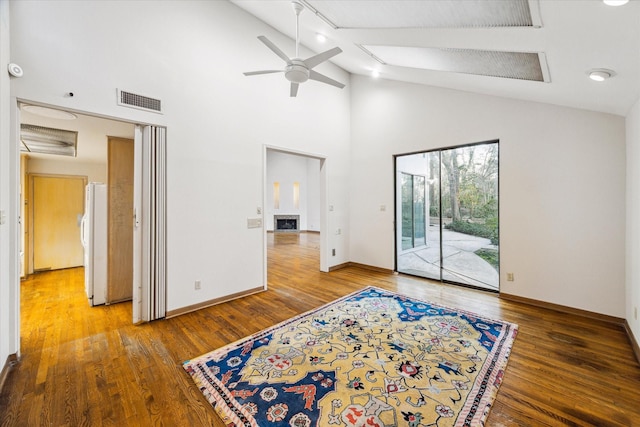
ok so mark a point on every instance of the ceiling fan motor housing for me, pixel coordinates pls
(297, 71)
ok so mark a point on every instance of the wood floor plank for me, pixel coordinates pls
(89, 366)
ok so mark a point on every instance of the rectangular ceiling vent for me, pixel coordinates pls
(133, 100)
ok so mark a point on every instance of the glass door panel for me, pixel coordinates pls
(419, 226)
(419, 239)
(452, 215)
(470, 215)
(407, 210)
(432, 256)
(413, 211)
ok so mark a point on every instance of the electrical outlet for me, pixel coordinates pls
(333, 252)
(197, 285)
(510, 277)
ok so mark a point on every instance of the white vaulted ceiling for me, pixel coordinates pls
(537, 50)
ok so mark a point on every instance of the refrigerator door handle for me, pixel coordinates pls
(82, 236)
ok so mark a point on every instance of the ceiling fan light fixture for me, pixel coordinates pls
(296, 73)
(375, 74)
(600, 74)
(615, 2)
(321, 38)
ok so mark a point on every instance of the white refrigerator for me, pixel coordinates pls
(94, 240)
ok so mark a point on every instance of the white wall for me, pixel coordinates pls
(633, 221)
(562, 185)
(286, 169)
(9, 182)
(95, 172)
(313, 191)
(191, 55)
(415, 164)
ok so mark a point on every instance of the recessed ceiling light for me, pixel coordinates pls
(615, 2)
(49, 112)
(601, 74)
(321, 37)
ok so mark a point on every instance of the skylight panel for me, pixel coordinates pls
(512, 65)
(427, 14)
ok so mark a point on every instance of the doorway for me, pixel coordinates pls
(295, 195)
(56, 209)
(447, 215)
(41, 170)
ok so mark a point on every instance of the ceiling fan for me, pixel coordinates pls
(299, 70)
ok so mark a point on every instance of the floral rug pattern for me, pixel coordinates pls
(372, 358)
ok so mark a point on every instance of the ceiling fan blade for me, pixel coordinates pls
(314, 75)
(275, 49)
(321, 57)
(255, 73)
(294, 89)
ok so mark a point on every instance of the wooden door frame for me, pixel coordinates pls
(28, 227)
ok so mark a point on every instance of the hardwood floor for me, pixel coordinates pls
(84, 366)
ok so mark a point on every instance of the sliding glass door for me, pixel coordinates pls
(447, 203)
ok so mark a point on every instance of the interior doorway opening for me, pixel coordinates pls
(294, 205)
(447, 215)
(91, 162)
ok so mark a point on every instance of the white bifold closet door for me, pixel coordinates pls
(150, 226)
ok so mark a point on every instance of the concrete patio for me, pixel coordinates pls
(460, 262)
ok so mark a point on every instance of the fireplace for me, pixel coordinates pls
(286, 223)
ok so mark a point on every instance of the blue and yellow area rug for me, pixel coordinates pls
(372, 358)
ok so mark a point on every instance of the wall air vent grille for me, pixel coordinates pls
(129, 99)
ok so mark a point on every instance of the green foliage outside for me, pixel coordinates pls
(488, 230)
(491, 256)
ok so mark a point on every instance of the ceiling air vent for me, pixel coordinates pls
(133, 100)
